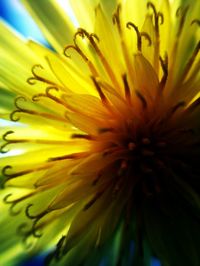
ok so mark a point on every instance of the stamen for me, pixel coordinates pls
(177, 106)
(196, 21)
(116, 18)
(123, 168)
(75, 47)
(96, 180)
(36, 77)
(105, 130)
(15, 202)
(127, 89)
(141, 98)
(68, 157)
(31, 112)
(100, 92)
(158, 20)
(193, 106)
(4, 137)
(181, 12)
(24, 231)
(146, 141)
(164, 65)
(82, 136)
(93, 200)
(8, 176)
(79, 51)
(172, 111)
(36, 218)
(147, 37)
(130, 25)
(147, 153)
(52, 97)
(83, 33)
(191, 60)
(158, 16)
(131, 146)
(57, 253)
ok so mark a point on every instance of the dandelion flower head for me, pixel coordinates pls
(102, 150)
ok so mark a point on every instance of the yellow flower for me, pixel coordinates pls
(104, 145)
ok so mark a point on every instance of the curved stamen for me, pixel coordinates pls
(83, 33)
(36, 77)
(130, 25)
(116, 18)
(172, 111)
(164, 65)
(196, 21)
(37, 97)
(182, 13)
(100, 92)
(191, 60)
(4, 170)
(158, 20)
(22, 229)
(32, 80)
(139, 34)
(8, 176)
(147, 37)
(150, 5)
(4, 137)
(15, 202)
(141, 98)
(93, 200)
(79, 51)
(192, 107)
(126, 88)
(160, 17)
(31, 112)
(68, 156)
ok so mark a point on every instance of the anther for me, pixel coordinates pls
(146, 141)
(161, 144)
(131, 146)
(147, 153)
